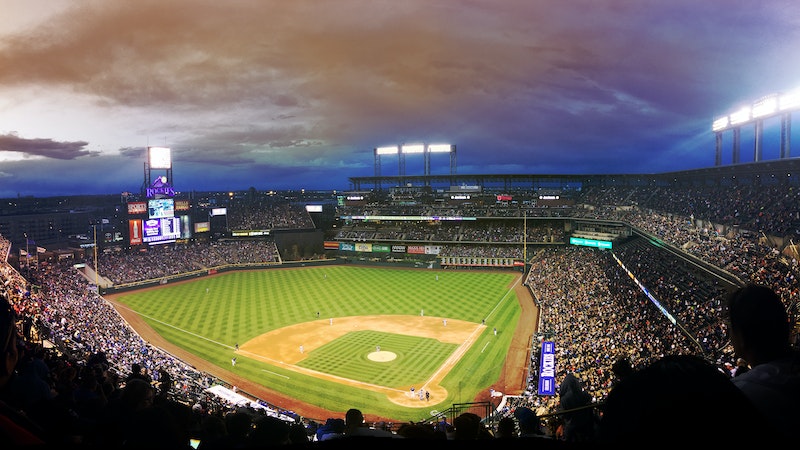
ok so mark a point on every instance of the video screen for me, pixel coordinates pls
(162, 229)
(160, 207)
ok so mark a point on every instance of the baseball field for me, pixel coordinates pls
(321, 340)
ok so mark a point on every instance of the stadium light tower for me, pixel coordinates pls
(441, 148)
(379, 151)
(766, 107)
(408, 149)
(413, 149)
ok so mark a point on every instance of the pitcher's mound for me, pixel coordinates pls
(382, 356)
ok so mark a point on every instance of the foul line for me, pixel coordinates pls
(120, 305)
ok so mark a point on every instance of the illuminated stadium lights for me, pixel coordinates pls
(413, 148)
(789, 101)
(402, 150)
(772, 105)
(440, 148)
(720, 124)
(765, 106)
(769, 105)
(387, 150)
(740, 116)
(159, 157)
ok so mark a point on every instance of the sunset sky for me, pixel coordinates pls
(291, 94)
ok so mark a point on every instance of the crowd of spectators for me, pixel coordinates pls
(482, 232)
(159, 261)
(243, 215)
(77, 363)
(589, 304)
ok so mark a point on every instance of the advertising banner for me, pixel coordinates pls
(135, 231)
(433, 249)
(416, 249)
(181, 205)
(363, 247)
(547, 369)
(137, 208)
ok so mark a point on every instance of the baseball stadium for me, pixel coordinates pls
(418, 300)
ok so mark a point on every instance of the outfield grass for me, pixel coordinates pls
(208, 316)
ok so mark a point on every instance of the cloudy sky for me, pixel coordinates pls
(279, 94)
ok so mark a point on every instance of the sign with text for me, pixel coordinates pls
(547, 369)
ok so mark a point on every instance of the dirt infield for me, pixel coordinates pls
(310, 335)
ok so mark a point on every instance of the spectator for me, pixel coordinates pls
(269, 431)
(579, 417)
(355, 426)
(529, 423)
(506, 428)
(760, 332)
(332, 429)
(298, 434)
(679, 399)
(468, 426)
(741, 367)
(15, 428)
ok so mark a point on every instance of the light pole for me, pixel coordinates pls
(27, 255)
(94, 229)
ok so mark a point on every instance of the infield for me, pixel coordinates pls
(200, 320)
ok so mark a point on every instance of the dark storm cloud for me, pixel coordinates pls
(47, 148)
(265, 89)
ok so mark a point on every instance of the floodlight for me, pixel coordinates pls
(413, 148)
(440, 148)
(765, 106)
(387, 150)
(740, 116)
(789, 101)
(720, 124)
(159, 157)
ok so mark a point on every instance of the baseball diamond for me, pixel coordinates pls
(415, 351)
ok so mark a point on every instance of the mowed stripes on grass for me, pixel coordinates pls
(209, 315)
(416, 358)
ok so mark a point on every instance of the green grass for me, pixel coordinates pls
(417, 358)
(242, 305)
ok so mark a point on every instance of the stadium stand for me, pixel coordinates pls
(658, 293)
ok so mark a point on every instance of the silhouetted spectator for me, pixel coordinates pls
(679, 399)
(760, 332)
(580, 420)
(506, 428)
(16, 429)
(298, 433)
(529, 422)
(355, 426)
(268, 431)
(332, 429)
(468, 426)
(137, 371)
